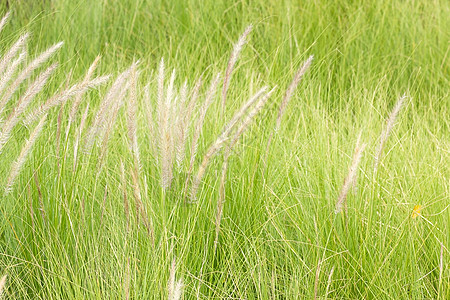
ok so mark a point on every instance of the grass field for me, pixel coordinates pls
(343, 199)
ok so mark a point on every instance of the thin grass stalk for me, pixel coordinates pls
(232, 61)
(387, 131)
(58, 137)
(441, 268)
(152, 131)
(17, 165)
(123, 183)
(78, 137)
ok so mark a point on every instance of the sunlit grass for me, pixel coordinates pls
(65, 233)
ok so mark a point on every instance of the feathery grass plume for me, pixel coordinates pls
(63, 96)
(387, 131)
(201, 118)
(160, 97)
(220, 141)
(19, 45)
(77, 100)
(36, 63)
(4, 20)
(132, 118)
(238, 133)
(110, 120)
(181, 126)
(10, 70)
(290, 90)
(232, 61)
(250, 116)
(175, 288)
(199, 124)
(103, 118)
(352, 172)
(330, 277)
(17, 165)
(23, 103)
(114, 95)
(78, 137)
(441, 266)
(166, 135)
(2, 285)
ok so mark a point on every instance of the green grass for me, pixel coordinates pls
(279, 219)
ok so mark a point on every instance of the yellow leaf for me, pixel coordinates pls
(416, 211)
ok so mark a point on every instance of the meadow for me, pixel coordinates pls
(224, 149)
